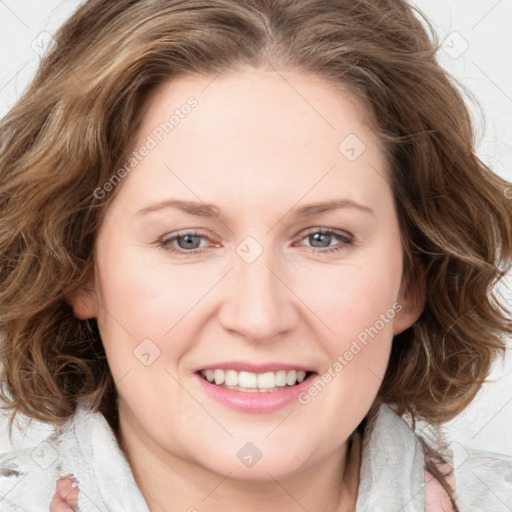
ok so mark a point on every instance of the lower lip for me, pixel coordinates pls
(260, 402)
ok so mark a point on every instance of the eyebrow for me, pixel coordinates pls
(200, 209)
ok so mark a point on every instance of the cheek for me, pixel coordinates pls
(149, 297)
(357, 303)
(358, 306)
(350, 298)
(152, 313)
(147, 323)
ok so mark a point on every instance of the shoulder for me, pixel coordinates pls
(27, 478)
(436, 498)
(482, 480)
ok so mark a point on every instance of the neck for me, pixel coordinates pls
(172, 484)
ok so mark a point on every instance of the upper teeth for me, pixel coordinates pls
(265, 380)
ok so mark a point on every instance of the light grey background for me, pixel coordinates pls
(476, 39)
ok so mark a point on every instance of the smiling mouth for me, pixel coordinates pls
(250, 382)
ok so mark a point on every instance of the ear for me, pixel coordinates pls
(411, 298)
(84, 300)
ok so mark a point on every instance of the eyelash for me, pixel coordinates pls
(346, 238)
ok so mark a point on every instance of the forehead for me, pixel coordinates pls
(247, 97)
(255, 132)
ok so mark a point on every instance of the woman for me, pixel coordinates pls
(240, 241)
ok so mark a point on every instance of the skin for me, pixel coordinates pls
(66, 494)
(436, 498)
(257, 146)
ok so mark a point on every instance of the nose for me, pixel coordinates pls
(258, 303)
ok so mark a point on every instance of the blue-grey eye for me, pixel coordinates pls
(189, 242)
(321, 238)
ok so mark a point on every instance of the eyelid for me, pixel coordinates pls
(185, 232)
(347, 239)
(178, 234)
(319, 229)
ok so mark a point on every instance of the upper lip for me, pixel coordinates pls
(241, 366)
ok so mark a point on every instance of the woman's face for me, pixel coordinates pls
(257, 234)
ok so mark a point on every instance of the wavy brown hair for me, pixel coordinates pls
(73, 126)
